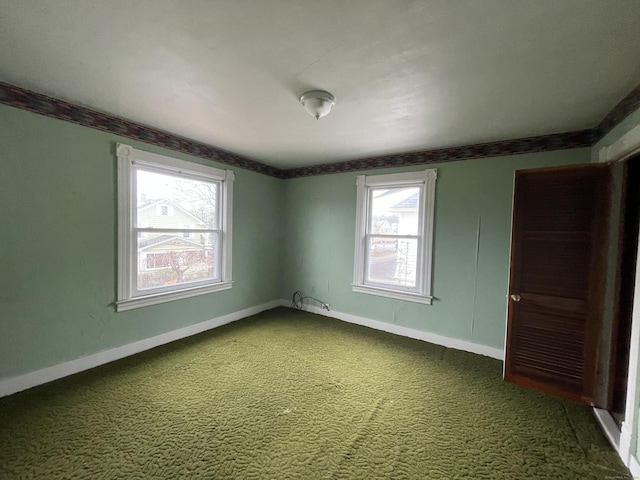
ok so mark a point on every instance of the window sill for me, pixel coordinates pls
(147, 300)
(384, 292)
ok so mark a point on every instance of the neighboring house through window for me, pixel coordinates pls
(174, 220)
(394, 235)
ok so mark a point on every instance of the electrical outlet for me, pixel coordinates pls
(313, 289)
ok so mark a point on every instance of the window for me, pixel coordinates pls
(394, 235)
(174, 222)
(187, 233)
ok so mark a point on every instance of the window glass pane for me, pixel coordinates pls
(395, 210)
(166, 201)
(171, 259)
(392, 261)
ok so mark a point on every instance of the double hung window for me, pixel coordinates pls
(394, 235)
(174, 228)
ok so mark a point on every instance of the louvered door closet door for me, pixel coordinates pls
(556, 290)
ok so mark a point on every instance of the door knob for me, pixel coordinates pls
(516, 297)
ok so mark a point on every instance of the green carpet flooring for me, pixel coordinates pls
(288, 394)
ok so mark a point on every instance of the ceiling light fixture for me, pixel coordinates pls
(317, 103)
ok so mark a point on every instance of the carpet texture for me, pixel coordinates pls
(288, 394)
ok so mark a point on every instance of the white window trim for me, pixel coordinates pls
(428, 179)
(127, 157)
(626, 146)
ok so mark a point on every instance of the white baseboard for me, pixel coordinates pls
(23, 382)
(610, 429)
(407, 332)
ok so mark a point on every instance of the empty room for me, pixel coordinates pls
(319, 239)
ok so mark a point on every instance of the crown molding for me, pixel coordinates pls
(24, 99)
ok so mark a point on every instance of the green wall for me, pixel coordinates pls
(58, 241)
(473, 214)
(58, 246)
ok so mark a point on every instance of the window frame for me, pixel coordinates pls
(129, 159)
(365, 184)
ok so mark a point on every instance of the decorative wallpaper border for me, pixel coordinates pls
(545, 143)
(35, 102)
(626, 106)
(21, 98)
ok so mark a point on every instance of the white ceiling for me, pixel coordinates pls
(408, 75)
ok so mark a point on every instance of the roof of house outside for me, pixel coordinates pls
(145, 243)
(409, 203)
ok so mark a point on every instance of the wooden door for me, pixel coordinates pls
(558, 269)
